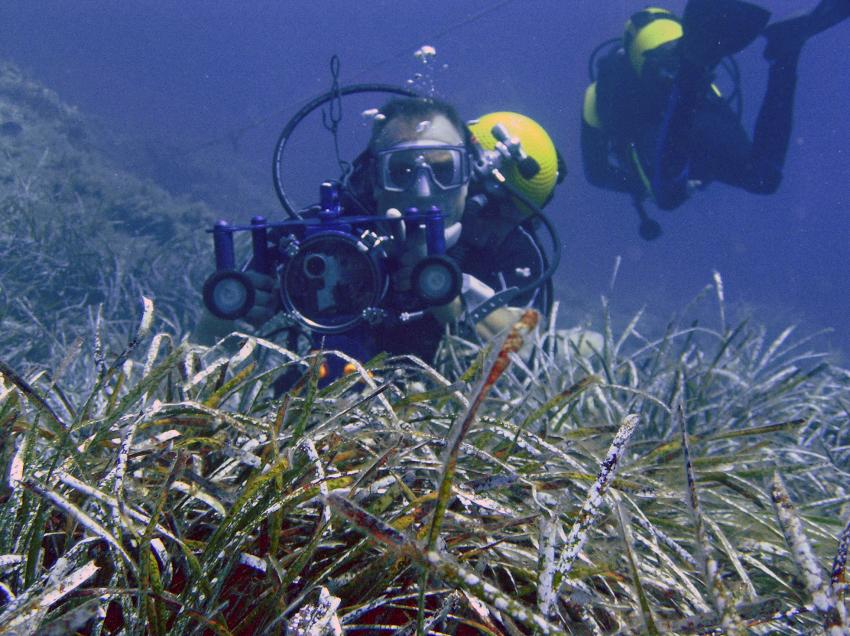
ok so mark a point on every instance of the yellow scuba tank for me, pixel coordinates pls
(521, 150)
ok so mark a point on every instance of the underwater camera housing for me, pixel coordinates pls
(333, 270)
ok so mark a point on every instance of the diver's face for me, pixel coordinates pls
(660, 68)
(420, 180)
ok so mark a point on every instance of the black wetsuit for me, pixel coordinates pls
(684, 133)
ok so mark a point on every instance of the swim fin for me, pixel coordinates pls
(649, 229)
(714, 29)
(786, 38)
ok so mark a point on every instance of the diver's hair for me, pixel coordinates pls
(413, 110)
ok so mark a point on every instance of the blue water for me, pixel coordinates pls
(180, 74)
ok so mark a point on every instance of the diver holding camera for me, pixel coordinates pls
(435, 224)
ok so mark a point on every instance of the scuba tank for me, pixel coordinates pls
(514, 162)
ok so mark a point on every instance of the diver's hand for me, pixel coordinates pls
(498, 321)
(488, 327)
(414, 247)
(473, 293)
(266, 300)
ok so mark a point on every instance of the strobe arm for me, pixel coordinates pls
(230, 294)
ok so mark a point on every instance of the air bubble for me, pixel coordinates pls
(425, 52)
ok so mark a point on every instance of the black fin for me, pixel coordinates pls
(649, 229)
(786, 38)
(828, 13)
(714, 29)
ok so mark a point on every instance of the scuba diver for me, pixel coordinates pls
(434, 226)
(655, 126)
(421, 154)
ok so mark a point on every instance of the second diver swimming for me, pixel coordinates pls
(655, 126)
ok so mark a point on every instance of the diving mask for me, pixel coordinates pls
(662, 63)
(399, 167)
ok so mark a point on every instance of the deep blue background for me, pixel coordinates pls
(179, 74)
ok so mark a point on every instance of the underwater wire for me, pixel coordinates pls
(331, 119)
(235, 133)
(440, 34)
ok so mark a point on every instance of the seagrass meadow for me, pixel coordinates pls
(693, 481)
(685, 478)
(82, 238)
